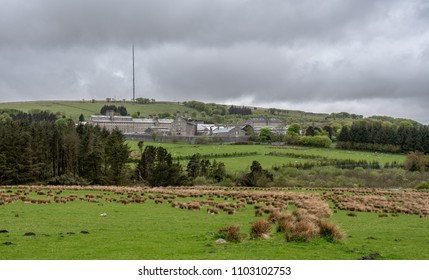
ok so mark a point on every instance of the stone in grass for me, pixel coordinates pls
(3, 231)
(29, 234)
(7, 243)
(84, 232)
(372, 256)
(70, 232)
(220, 241)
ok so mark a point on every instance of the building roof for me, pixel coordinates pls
(271, 120)
(223, 130)
(127, 119)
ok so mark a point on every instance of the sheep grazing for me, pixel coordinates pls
(103, 215)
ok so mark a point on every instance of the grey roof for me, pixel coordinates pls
(127, 119)
(264, 120)
(223, 130)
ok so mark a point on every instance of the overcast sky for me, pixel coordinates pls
(368, 57)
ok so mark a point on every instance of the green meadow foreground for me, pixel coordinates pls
(184, 223)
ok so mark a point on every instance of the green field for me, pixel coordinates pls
(242, 163)
(159, 231)
(73, 109)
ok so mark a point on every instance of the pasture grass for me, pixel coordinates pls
(242, 163)
(158, 231)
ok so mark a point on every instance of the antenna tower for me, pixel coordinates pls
(134, 80)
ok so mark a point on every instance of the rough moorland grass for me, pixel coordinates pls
(158, 231)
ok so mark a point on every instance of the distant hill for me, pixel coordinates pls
(208, 112)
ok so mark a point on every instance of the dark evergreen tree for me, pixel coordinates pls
(121, 110)
(156, 168)
(116, 153)
(344, 135)
(91, 154)
(217, 171)
(194, 166)
(310, 131)
(256, 175)
(81, 118)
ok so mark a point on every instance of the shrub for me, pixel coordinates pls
(423, 186)
(231, 234)
(316, 141)
(330, 231)
(416, 161)
(260, 229)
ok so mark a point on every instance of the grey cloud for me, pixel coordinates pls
(50, 23)
(280, 51)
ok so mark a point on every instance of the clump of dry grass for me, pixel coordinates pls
(260, 229)
(286, 222)
(302, 225)
(274, 216)
(330, 231)
(232, 233)
(304, 230)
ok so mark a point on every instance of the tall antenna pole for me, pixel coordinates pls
(134, 79)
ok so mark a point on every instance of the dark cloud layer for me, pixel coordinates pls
(367, 57)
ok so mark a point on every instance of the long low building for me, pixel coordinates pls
(127, 124)
(182, 127)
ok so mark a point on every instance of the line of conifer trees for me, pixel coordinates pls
(386, 137)
(38, 147)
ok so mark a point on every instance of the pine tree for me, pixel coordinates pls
(116, 153)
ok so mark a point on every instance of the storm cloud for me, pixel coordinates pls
(366, 57)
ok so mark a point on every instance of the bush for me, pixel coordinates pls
(231, 234)
(260, 229)
(423, 186)
(416, 161)
(316, 141)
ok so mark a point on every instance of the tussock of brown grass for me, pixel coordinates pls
(330, 231)
(286, 222)
(260, 229)
(274, 216)
(304, 230)
(232, 233)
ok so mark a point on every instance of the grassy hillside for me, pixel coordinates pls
(73, 109)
